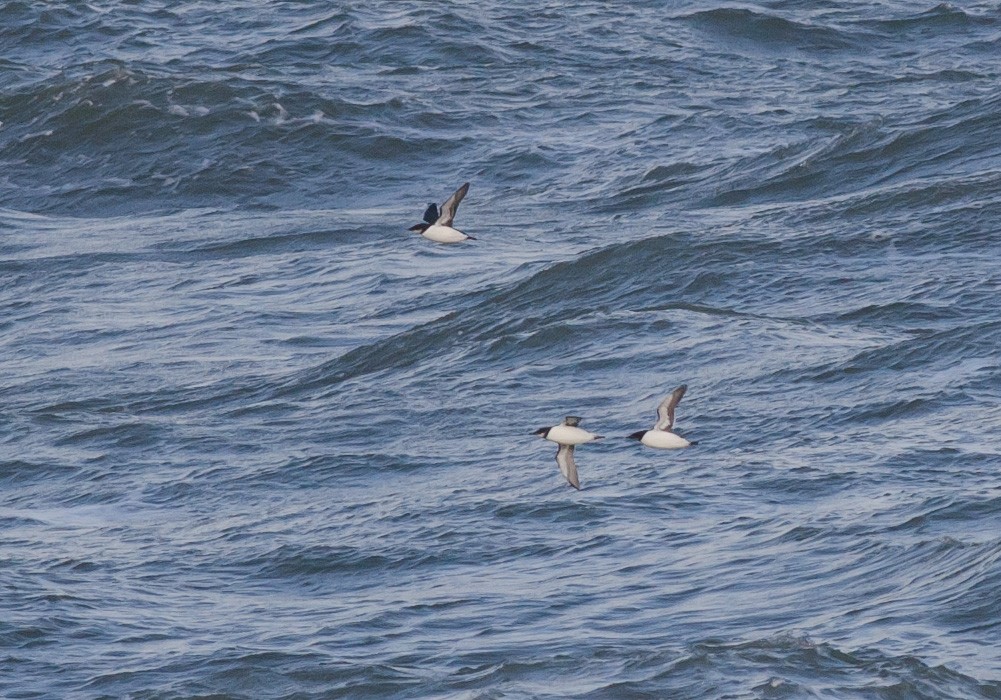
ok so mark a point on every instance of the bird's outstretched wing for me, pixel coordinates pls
(431, 213)
(450, 206)
(665, 411)
(564, 458)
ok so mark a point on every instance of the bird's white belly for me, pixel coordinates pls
(568, 435)
(663, 440)
(444, 234)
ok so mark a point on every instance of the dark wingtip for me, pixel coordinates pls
(638, 435)
(693, 443)
(599, 437)
(419, 228)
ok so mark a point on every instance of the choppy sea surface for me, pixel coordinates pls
(259, 441)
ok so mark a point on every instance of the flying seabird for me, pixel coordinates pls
(566, 435)
(437, 225)
(661, 435)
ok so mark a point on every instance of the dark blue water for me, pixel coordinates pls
(258, 441)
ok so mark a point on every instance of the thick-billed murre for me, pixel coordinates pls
(566, 435)
(437, 226)
(661, 435)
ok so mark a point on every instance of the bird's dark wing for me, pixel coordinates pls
(431, 213)
(665, 412)
(564, 458)
(450, 206)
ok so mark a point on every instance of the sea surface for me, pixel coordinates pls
(259, 441)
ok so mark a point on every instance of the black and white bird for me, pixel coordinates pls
(661, 435)
(566, 435)
(437, 226)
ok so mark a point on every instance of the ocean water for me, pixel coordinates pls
(258, 441)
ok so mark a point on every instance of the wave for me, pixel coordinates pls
(860, 157)
(935, 348)
(944, 18)
(519, 319)
(770, 32)
(790, 665)
(96, 139)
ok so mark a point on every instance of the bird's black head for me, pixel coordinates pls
(541, 432)
(638, 435)
(419, 228)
